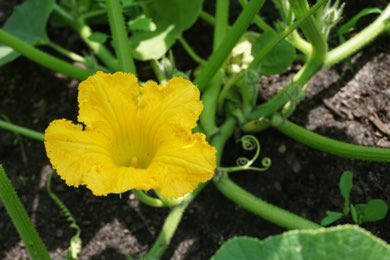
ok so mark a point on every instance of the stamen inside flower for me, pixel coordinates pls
(133, 155)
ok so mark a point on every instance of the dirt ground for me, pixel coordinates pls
(349, 102)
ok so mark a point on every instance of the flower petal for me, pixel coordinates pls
(73, 152)
(177, 103)
(182, 162)
(119, 179)
(106, 101)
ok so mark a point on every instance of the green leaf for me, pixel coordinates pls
(278, 59)
(355, 213)
(142, 23)
(345, 186)
(171, 17)
(342, 242)
(375, 210)
(98, 37)
(331, 216)
(181, 13)
(28, 23)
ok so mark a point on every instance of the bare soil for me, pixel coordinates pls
(349, 102)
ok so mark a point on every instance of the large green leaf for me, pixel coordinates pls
(28, 23)
(278, 59)
(181, 13)
(171, 17)
(342, 242)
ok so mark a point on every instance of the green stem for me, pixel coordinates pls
(299, 43)
(312, 65)
(258, 20)
(42, 58)
(260, 207)
(119, 34)
(221, 22)
(70, 55)
(164, 238)
(290, 29)
(359, 40)
(21, 130)
(190, 51)
(148, 200)
(208, 120)
(225, 132)
(20, 219)
(332, 146)
(157, 71)
(247, 200)
(228, 85)
(167, 201)
(219, 56)
(85, 32)
(207, 17)
(311, 31)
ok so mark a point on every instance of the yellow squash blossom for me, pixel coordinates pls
(132, 137)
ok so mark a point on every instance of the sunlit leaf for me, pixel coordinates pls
(342, 242)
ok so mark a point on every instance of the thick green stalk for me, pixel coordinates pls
(311, 31)
(221, 22)
(42, 58)
(299, 43)
(85, 32)
(208, 120)
(219, 56)
(332, 146)
(260, 207)
(21, 130)
(22, 222)
(247, 200)
(164, 238)
(225, 132)
(157, 71)
(359, 40)
(119, 34)
(312, 65)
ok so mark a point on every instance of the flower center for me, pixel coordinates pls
(134, 154)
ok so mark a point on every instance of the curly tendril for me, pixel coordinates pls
(249, 143)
